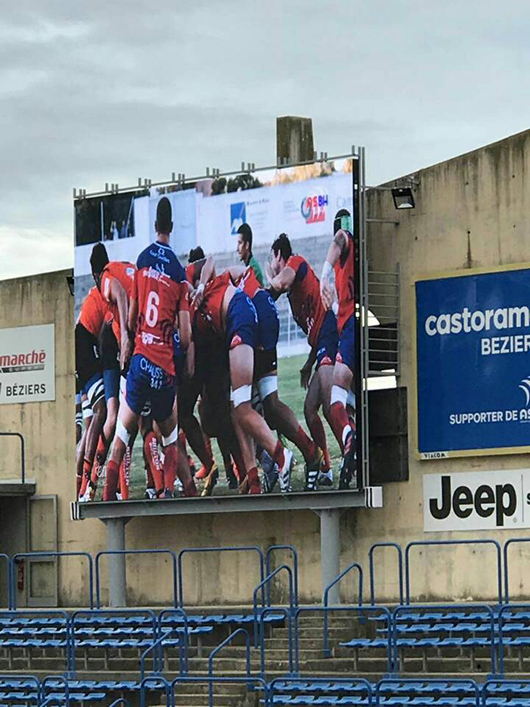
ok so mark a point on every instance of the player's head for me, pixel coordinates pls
(244, 242)
(98, 260)
(281, 251)
(342, 221)
(196, 254)
(163, 223)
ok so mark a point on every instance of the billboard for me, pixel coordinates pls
(473, 378)
(176, 291)
(27, 364)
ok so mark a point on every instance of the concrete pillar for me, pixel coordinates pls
(330, 551)
(117, 578)
(294, 139)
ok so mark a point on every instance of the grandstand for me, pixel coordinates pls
(273, 649)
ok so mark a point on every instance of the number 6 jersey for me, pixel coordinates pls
(161, 290)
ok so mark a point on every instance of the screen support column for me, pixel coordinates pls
(330, 550)
(117, 575)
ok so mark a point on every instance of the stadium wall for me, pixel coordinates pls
(471, 211)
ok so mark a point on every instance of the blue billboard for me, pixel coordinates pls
(473, 363)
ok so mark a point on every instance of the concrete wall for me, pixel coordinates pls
(470, 211)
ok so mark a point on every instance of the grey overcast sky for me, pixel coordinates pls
(94, 91)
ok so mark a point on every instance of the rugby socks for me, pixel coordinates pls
(111, 482)
(87, 467)
(78, 481)
(125, 472)
(154, 462)
(254, 485)
(319, 437)
(170, 466)
(99, 460)
(305, 444)
(339, 419)
(278, 456)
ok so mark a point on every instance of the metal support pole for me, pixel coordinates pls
(330, 551)
(117, 578)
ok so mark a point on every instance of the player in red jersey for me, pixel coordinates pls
(159, 305)
(278, 415)
(231, 312)
(340, 264)
(293, 274)
(90, 378)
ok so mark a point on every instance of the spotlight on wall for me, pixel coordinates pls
(403, 198)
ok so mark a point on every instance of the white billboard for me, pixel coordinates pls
(27, 364)
(490, 500)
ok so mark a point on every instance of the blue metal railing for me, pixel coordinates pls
(228, 640)
(163, 551)
(355, 610)
(211, 681)
(294, 554)
(353, 566)
(154, 680)
(507, 608)
(33, 679)
(372, 572)
(184, 664)
(22, 453)
(259, 588)
(31, 555)
(426, 543)
(379, 697)
(504, 684)
(288, 617)
(56, 678)
(101, 613)
(277, 684)
(512, 541)
(442, 607)
(120, 701)
(156, 648)
(190, 550)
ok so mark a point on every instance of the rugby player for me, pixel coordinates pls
(244, 250)
(338, 271)
(159, 305)
(292, 274)
(277, 414)
(232, 313)
(90, 378)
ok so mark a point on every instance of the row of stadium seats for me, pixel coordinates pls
(282, 691)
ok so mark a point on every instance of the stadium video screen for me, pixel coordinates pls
(216, 337)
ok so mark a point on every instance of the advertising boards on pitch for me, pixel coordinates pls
(473, 374)
(114, 342)
(491, 500)
(27, 364)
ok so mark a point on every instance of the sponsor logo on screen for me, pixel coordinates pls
(477, 501)
(313, 207)
(238, 216)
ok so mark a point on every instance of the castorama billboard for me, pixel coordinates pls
(473, 363)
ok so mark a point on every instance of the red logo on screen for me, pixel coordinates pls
(313, 208)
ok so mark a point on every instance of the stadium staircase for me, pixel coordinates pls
(410, 654)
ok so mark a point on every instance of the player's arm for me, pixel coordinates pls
(133, 315)
(327, 279)
(207, 273)
(236, 272)
(118, 296)
(184, 327)
(283, 281)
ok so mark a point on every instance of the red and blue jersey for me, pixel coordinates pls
(212, 304)
(123, 272)
(304, 296)
(249, 283)
(344, 283)
(161, 290)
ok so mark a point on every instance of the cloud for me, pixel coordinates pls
(107, 92)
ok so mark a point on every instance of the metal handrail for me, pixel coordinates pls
(279, 681)
(371, 567)
(157, 660)
(498, 681)
(30, 555)
(215, 651)
(9, 585)
(288, 616)
(157, 679)
(104, 612)
(444, 607)
(120, 701)
(60, 678)
(163, 551)
(234, 548)
(442, 681)
(294, 553)
(481, 541)
(504, 610)
(354, 565)
(261, 586)
(22, 453)
(224, 681)
(178, 612)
